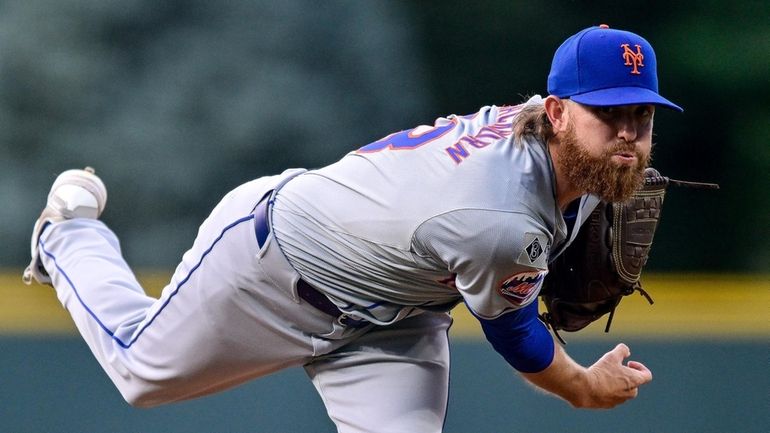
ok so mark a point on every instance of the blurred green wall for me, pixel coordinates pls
(176, 102)
(701, 386)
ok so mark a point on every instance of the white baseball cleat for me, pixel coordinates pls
(74, 194)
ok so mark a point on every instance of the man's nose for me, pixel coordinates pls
(627, 128)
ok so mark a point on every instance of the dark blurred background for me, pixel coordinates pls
(176, 102)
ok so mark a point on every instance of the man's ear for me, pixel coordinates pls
(556, 110)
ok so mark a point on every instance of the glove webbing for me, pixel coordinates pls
(663, 180)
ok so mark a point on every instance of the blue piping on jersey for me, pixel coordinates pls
(176, 290)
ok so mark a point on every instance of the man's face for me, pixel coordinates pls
(606, 149)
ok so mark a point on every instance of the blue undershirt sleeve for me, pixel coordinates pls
(521, 338)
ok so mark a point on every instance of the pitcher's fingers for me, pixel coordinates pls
(645, 375)
(636, 365)
(623, 350)
(631, 392)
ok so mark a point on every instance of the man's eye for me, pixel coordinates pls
(645, 111)
(605, 111)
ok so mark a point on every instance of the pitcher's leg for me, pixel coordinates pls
(204, 334)
(392, 379)
(219, 322)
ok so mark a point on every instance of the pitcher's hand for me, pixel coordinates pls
(612, 382)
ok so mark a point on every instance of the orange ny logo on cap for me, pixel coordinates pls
(633, 58)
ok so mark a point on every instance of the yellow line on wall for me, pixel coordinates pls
(686, 306)
(36, 310)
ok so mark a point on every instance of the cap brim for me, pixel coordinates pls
(624, 96)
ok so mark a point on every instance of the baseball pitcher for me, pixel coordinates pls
(350, 271)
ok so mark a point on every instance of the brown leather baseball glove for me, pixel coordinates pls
(604, 263)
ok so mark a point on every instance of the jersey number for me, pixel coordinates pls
(408, 139)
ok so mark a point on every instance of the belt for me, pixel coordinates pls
(304, 290)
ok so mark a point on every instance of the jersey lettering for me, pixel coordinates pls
(501, 129)
(458, 151)
(519, 289)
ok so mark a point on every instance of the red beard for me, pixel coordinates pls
(600, 175)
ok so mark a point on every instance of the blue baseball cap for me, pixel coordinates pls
(606, 67)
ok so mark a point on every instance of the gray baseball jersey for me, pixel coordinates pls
(427, 217)
(396, 233)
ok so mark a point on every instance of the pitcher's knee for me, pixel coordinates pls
(145, 396)
(143, 393)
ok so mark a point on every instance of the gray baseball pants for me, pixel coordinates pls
(231, 314)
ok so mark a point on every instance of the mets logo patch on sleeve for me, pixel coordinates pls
(520, 288)
(536, 250)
